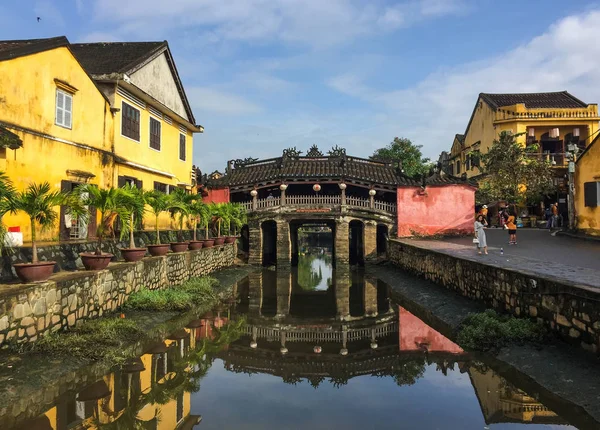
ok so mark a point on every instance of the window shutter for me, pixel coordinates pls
(121, 181)
(139, 184)
(60, 100)
(591, 194)
(68, 101)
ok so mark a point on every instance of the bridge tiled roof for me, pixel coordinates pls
(313, 168)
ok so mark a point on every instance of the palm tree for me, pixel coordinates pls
(133, 200)
(38, 202)
(7, 195)
(238, 216)
(220, 215)
(109, 202)
(159, 202)
(200, 214)
(181, 210)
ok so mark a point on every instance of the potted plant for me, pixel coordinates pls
(179, 212)
(107, 201)
(220, 215)
(7, 195)
(38, 202)
(199, 214)
(133, 199)
(237, 217)
(207, 242)
(158, 202)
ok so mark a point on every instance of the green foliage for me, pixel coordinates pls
(184, 297)
(488, 330)
(159, 202)
(7, 195)
(199, 213)
(134, 201)
(402, 150)
(220, 215)
(180, 209)
(100, 339)
(514, 172)
(109, 202)
(38, 201)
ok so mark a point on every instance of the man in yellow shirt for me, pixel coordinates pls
(512, 229)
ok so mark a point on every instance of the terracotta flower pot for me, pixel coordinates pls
(133, 254)
(179, 246)
(159, 250)
(29, 272)
(196, 244)
(219, 240)
(208, 243)
(95, 262)
(230, 239)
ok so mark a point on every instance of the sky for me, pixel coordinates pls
(264, 75)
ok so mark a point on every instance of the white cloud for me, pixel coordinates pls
(315, 23)
(565, 57)
(204, 99)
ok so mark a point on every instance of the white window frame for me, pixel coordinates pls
(62, 109)
(150, 118)
(179, 148)
(123, 102)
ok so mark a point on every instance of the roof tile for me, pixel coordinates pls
(557, 100)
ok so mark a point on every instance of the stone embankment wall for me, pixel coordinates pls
(66, 254)
(572, 311)
(28, 311)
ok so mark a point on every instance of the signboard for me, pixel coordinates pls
(313, 211)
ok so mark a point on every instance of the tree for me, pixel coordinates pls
(514, 172)
(159, 202)
(134, 202)
(109, 202)
(402, 150)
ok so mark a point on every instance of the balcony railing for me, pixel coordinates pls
(556, 159)
(315, 201)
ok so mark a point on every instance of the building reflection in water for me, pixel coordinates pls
(151, 392)
(351, 330)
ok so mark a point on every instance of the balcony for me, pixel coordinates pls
(308, 201)
(556, 159)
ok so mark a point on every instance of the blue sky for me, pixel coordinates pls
(263, 75)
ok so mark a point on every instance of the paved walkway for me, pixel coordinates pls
(537, 252)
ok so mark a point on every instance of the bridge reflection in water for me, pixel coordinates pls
(323, 329)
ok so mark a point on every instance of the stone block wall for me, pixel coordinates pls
(28, 311)
(572, 311)
(66, 254)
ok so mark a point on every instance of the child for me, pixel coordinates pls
(512, 230)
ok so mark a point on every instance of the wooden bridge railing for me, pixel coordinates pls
(322, 200)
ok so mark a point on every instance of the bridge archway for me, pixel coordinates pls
(323, 236)
(382, 239)
(269, 242)
(356, 231)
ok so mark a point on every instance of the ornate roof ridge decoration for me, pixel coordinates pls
(314, 152)
(292, 153)
(242, 162)
(337, 151)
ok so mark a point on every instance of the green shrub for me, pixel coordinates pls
(183, 297)
(488, 330)
(95, 340)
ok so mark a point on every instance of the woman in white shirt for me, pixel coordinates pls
(480, 224)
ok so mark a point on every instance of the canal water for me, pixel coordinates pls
(304, 348)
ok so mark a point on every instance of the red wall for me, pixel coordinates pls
(444, 209)
(415, 335)
(216, 196)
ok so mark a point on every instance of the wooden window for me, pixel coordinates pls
(458, 167)
(591, 194)
(130, 122)
(182, 147)
(155, 127)
(124, 180)
(163, 188)
(64, 109)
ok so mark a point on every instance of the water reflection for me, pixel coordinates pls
(337, 356)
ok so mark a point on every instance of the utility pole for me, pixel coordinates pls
(572, 149)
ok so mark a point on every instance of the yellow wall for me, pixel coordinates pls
(487, 124)
(28, 99)
(587, 170)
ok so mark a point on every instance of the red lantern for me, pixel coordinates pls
(316, 188)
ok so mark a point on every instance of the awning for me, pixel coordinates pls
(9, 140)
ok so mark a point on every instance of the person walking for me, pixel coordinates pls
(554, 209)
(480, 224)
(512, 229)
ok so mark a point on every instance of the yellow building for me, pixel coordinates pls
(100, 113)
(550, 120)
(587, 189)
